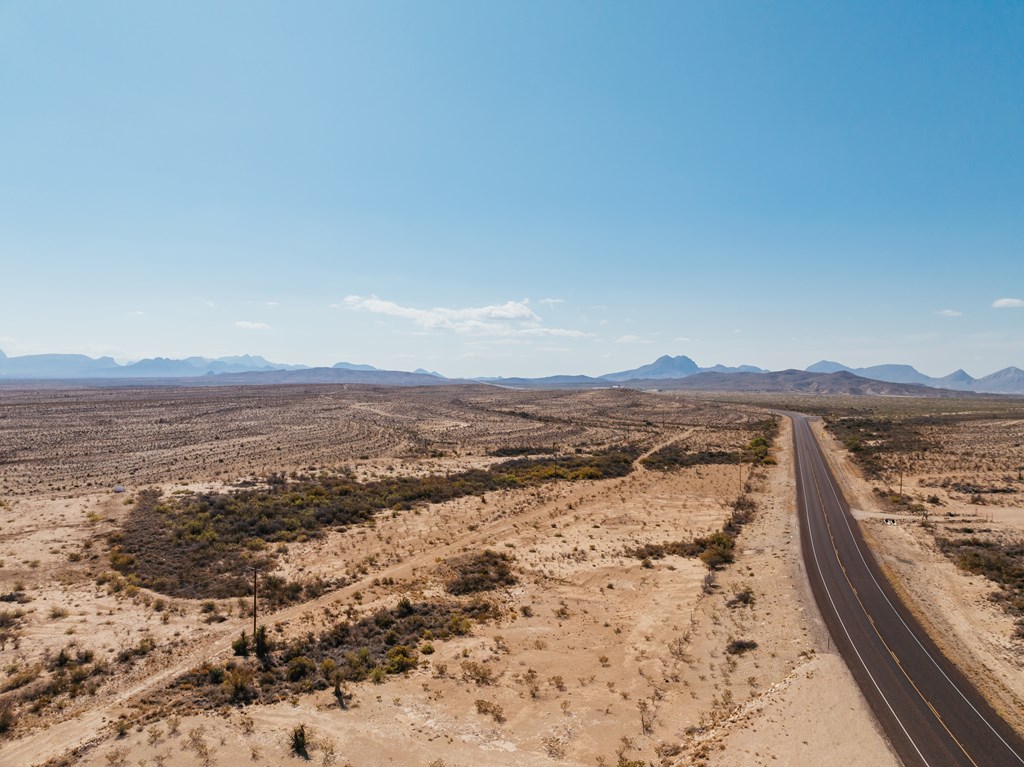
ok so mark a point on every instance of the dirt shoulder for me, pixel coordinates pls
(809, 711)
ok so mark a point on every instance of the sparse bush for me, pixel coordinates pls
(740, 646)
(298, 742)
(197, 744)
(744, 596)
(7, 715)
(238, 685)
(299, 667)
(479, 673)
(485, 571)
(400, 659)
(262, 644)
(646, 716)
(140, 650)
(117, 757)
(496, 712)
(241, 646)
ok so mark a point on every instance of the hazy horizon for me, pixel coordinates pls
(703, 364)
(526, 189)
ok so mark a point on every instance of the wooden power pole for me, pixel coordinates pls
(254, 604)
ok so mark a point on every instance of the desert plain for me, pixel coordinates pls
(533, 578)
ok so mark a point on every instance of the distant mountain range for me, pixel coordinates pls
(666, 372)
(75, 366)
(1006, 381)
(801, 381)
(662, 369)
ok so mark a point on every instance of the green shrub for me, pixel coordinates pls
(485, 571)
(300, 667)
(400, 659)
(241, 646)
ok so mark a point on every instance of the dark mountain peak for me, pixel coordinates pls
(827, 366)
(719, 368)
(246, 359)
(1006, 381)
(1010, 372)
(896, 373)
(156, 367)
(352, 366)
(958, 379)
(663, 367)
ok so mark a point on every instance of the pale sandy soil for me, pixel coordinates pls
(604, 633)
(809, 710)
(954, 606)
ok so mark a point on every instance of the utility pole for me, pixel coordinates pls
(254, 604)
(739, 463)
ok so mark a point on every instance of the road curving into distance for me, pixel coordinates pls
(932, 714)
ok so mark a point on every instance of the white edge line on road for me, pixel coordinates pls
(817, 563)
(952, 684)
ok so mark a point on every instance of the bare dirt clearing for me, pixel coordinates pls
(594, 657)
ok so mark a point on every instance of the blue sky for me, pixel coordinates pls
(509, 188)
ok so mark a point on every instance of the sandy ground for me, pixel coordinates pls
(810, 712)
(602, 639)
(954, 606)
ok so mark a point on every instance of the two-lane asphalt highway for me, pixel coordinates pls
(933, 715)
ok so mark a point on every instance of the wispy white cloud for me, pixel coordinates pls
(246, 325)
(513, 318)
(1008, 303)
(137, 313)
(552, 301)
(948, 313)
(632, 339)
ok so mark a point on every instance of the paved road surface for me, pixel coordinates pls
(932, 714)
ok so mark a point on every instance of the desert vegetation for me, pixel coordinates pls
(486, 571)
(715, 549)
(999, 560)
(678, 455)
(387, 641)
(204, 545)
(459, 564)
(946, 469)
